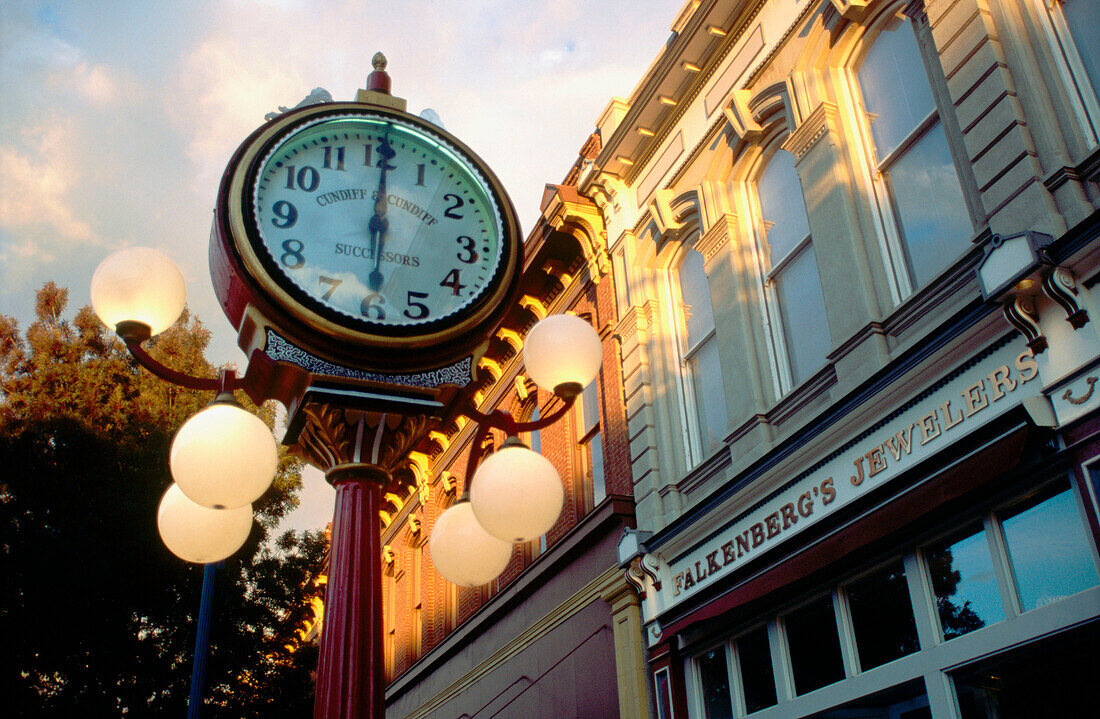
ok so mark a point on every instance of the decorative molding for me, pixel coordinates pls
(1020, 313)
(716, 238)
(1068, 394)
(280, 349)
(853, 10)
(566, 210)
(1061, 287)
(816, 125)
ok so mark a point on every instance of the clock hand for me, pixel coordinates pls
(378, 222)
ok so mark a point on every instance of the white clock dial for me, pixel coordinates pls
(378, 220)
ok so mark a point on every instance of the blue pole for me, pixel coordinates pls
(202, 642)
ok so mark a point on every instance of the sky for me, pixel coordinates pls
(118, 118)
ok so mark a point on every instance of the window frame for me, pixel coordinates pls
(1084, 98)
(872, 170)
(690, 406)
(936, 658)
(771, 271)
(585, 433)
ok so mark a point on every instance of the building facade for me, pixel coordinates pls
(843, 457)
(856, 253)
(558, 633)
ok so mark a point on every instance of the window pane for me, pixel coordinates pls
(1049, 550)
(754, 659)
(814, 646)
(964, 584)
(882, 617)
(715, 684)
(895, 88)
(664, 695)
(905, 701)
(594, 447)
(590, 406)
(1083, 19)
(695, 292)
(1052, 678)
(782, 205)
(534, 438)
(710, 401)
(930, 206)
(802, 306)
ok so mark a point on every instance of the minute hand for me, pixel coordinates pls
(378, 222)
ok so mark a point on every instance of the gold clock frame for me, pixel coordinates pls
(235, 228)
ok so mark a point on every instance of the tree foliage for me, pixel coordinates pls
(98, 616)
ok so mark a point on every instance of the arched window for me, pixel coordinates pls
(702, 370)
(793, 280)
(917, 178)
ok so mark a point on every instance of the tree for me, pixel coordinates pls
(98, 617)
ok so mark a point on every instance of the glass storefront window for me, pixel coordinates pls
(754, 659)
(814, 646)
(882, 616)
(1048, 549)
(906, 701)
(715, 681)
(967, 597)
(1051, 678)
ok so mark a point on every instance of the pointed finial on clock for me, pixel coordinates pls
(378, 86)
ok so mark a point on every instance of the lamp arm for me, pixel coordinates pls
(503, 420)
(179, 378)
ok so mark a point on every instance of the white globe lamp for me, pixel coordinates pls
(463, 552)
(224, 456)
(199, 534)
(138, 285)
(516, 494)
(563, 353)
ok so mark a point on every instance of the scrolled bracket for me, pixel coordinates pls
(1020, 313)
(1061, 287)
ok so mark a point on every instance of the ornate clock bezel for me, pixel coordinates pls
(329, 332)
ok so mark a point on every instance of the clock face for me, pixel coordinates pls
(377, 223)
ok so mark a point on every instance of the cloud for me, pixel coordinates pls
(37, 185)
(226, 88)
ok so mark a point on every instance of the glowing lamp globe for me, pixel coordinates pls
(199, 534)
(562, 351)
(138, 284)
(463, 552)
(224, 457)
(516, 494)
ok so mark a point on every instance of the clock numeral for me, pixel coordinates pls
(452, 281)
(420, 175)
(333, 282)
(421, 309)
(457, 202)
(385, 154)
(372, 308)
(292, 256)
(339, 158)
(467, 254)
(308, 178)
(286, 212)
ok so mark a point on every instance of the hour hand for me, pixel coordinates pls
(378, 227)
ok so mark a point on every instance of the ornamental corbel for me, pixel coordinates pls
(1061, 287)
(566, 210)
(1021, 314)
